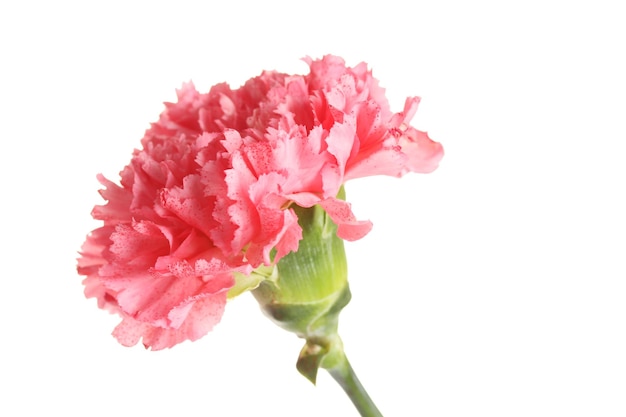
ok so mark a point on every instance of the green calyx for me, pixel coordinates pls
(305, 292)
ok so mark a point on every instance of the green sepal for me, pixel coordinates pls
(310, 320)
(318, 354)
(307, 290)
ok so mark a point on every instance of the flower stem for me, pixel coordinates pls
(345, 376)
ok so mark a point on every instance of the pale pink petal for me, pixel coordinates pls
(371, 125)
(304, 199)
(388, 160)
(423, 154)
(89, 264)
(194, 318)
(341, 142)
(150, 298)
(190, 204)
(289, 237)
(129, 331)
(265, 195)
(118, 203)
(215, 287)
(240, 211)
(348, 227)
(300, 159)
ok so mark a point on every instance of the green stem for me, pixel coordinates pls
(343, 373)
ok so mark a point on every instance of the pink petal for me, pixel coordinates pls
(193, 318)
(423, 153)
(348, 227)
(189, 204)
(117, 207)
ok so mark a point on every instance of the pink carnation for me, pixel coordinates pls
(210, 192)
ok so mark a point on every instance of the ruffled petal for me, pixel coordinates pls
(348, 227)
(201, 315)
(423, 154)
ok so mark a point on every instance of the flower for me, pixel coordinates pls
(211, 195)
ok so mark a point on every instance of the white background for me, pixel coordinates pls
(492, 287)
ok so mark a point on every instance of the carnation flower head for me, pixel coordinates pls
(212, 194)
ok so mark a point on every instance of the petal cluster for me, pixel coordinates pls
(210, 194)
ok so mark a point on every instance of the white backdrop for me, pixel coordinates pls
(492, 287)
